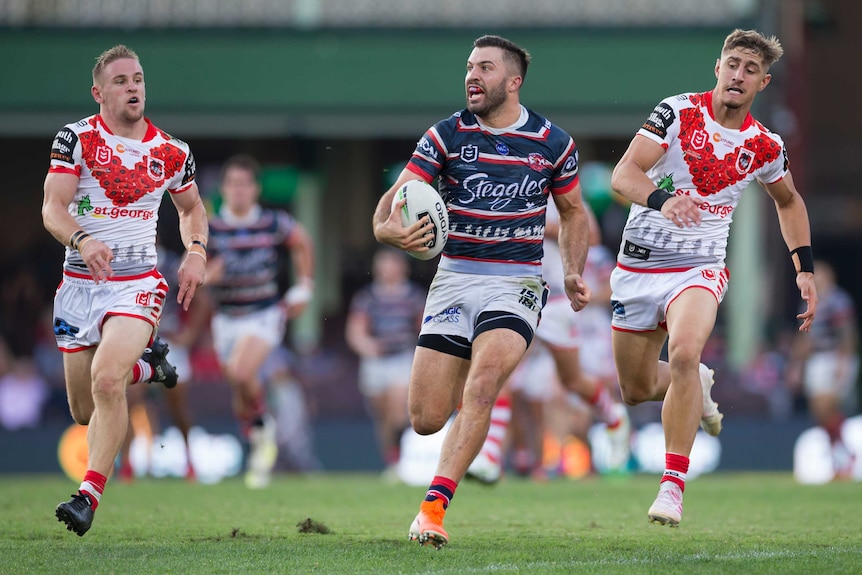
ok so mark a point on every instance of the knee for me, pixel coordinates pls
(634, 394)
(108, 389)
(238, 375)
(425, 423)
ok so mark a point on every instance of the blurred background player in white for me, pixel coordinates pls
(246, 242)
(381, 329)
(563, 333)
(107, 308)
(824, 363)
(181, 329)
(499, 164)
(685, 171)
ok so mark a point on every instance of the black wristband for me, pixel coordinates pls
(657, 199)
(804, 257)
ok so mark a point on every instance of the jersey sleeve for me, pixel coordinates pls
(285, 224)
(185, 177)
(361, 302)
(777, 168)
(662, 125)
(430, 154)
(66, 153)
(566, 169)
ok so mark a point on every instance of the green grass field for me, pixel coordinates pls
(733, 523)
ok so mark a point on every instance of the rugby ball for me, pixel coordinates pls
(423, 200)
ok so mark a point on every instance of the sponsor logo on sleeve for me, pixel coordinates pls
(63, 146)
(189, 170)
(661, 118)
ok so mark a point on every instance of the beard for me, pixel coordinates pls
(132, 116)
(493, 101)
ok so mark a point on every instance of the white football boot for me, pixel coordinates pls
(710, 421)
(667, 507)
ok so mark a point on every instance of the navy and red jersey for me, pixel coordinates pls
(393, 314)
(250, 250)
(496, 184)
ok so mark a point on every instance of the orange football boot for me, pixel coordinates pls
(427, 528)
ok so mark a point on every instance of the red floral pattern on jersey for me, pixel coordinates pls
(709, 174)
(122, 185)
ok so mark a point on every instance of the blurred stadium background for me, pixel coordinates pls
(331, 96)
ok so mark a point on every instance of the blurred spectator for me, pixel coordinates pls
(825, 362)
(21, 300)
(381, 328)
(23, 392)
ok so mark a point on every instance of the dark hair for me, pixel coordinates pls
(243, 162)
(513, 53)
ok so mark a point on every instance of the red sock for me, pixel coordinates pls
(675, 468)
(252, 413)
(93, 486)
(441, 488)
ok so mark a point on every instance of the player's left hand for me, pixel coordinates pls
(191, 276)
(577, 291)
(297, 298)
(805, 283)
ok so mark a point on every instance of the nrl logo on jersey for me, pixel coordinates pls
(470, 153)
(103, 155)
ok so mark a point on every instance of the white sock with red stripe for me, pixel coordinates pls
(603, 405)
(93, 486)
(142, 372)
(501, 415)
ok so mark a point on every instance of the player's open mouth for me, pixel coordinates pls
(133, 100)
(474, 91)
(735, 90)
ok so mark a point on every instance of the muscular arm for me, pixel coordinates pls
(796, 231)
(193, 224)
(574, 238)
(629, 179)
(386, 222)
(60, 190)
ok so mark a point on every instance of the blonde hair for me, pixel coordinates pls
(769, 49)
(118, 52)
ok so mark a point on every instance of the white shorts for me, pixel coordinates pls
(455, 301)
(596, 350)
(81, 305)
(267, 324)
(559, 324)
(377, 374)
(536, 376)
(822, 374)
(640, 299)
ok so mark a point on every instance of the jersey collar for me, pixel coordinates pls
(707, 101)
(151, 133)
